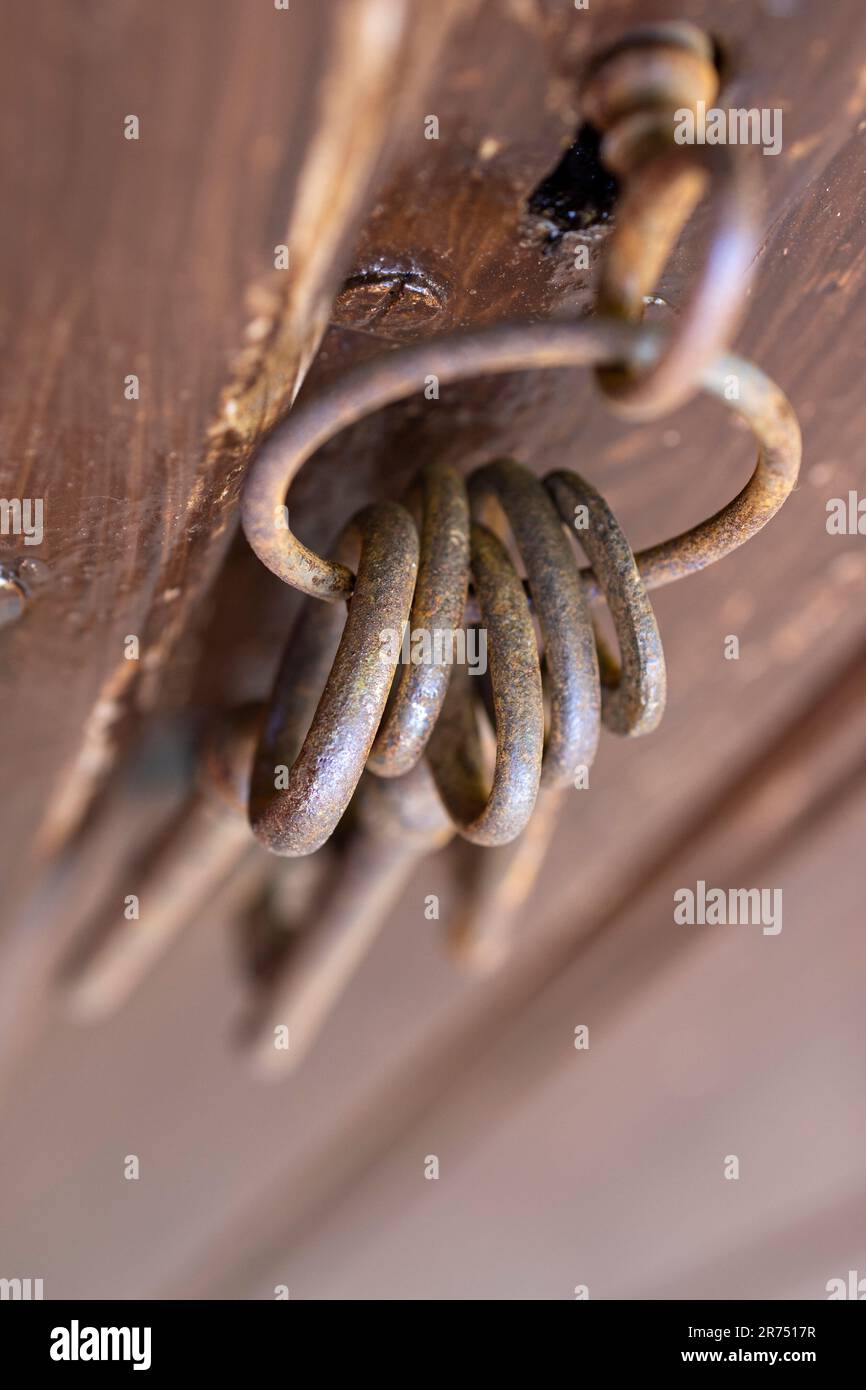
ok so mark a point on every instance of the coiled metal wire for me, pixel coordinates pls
(327, 715)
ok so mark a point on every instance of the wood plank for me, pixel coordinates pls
(156, 257)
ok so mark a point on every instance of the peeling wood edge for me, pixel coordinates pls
(382, 54)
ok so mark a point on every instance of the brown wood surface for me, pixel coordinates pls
(126, 257)
(156, 257)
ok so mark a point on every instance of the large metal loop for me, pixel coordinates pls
(740, 385)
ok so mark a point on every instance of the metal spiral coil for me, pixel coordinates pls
(433, 705)
(327, 716)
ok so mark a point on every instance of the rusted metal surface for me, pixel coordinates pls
(634, 695)
(299, 793)
(567, 635)
(496, 816)
(437, 607)
(632, 94)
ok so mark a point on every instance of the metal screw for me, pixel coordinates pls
(388, 302)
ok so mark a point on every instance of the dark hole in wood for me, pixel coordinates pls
(579, 193)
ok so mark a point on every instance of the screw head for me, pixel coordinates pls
(390, 302)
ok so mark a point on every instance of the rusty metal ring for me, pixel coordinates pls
(297, 795)
(454, 750)
(568, 638)
(766, 410)
(511, 348)
(442, 512)
(633, 695)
